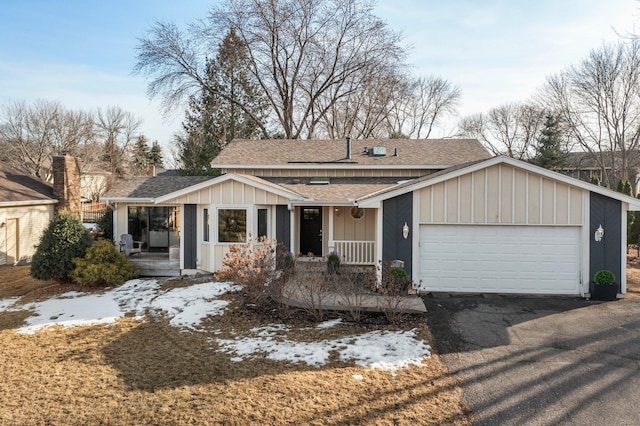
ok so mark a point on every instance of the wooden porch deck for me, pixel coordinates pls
(155, 265)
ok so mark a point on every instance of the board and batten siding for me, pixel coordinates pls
(501, 194)
(230, 192)
(346, 228)
(337, 172)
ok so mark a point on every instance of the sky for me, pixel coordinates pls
(81, 52)
(186, 307)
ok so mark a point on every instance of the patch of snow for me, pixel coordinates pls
(386, 350)
(358, 377)
(186, 306)
(329, 323)
(7, 304)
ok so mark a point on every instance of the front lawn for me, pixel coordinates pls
(185, 352)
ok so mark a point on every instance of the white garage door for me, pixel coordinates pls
(500, 259)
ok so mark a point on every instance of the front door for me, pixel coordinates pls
(311, 231)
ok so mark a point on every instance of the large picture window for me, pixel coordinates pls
(232, 225)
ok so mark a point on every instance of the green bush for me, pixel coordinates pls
(64, 239)
(604, 277)
(103, 265)
(399, 275)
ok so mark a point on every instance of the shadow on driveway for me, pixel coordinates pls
(542, 361)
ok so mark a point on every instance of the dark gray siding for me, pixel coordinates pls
(395, 212)
(283, 226)
(190, 236)
(605, 254)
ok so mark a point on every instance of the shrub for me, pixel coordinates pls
(63, 240)
(253, 266)
(333, 256)
(399, 275)
(604, 277)
(103, 265)
(105, 225)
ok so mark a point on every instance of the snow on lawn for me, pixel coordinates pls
(186, 307)
(386, 350)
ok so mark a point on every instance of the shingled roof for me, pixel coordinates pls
(17, 186)
(152, 186)
(410, 152)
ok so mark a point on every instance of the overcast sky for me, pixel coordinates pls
(81, 52)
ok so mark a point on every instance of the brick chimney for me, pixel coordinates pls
(66, 183)
(151, 170)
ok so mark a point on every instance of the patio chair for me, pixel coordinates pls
(130, 247)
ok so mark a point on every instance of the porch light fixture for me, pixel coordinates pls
(405, 231)
(599, 234)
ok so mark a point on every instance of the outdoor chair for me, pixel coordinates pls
(128, 246)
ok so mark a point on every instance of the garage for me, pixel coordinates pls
(500, 259)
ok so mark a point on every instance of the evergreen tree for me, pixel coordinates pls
(63, 240)
(213, 118)
(140, 156)
(549, 152)
(155, 155)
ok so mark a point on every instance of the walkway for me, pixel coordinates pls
(311, 287)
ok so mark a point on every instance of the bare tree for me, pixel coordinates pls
(425, 101)
(304, 55)
(599, 103)
(510, 129)
(31, 134)
(116, 129)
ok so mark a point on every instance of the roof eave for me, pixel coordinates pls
(314, 166)
(27, 203)
(375, 199)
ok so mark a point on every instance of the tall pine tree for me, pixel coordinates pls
(155, 155)
(214, 117)
(549, 152)
(139, 162)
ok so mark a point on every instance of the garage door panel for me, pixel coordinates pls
(500, 259)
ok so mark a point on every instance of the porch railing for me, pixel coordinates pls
(355, 252)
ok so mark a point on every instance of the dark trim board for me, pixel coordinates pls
(396, 212)
(605, 254)
(190, 235)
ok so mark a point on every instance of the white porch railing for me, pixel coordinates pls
(355, 252)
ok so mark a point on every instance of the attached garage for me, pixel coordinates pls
(505, 226)
(499, 259)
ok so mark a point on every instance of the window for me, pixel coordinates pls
(232, 226)
(205, 225)
(262, 223)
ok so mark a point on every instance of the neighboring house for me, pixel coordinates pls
(461, 220)
(585, 166)
(27, 205)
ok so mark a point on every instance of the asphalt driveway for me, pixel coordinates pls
(542, 361)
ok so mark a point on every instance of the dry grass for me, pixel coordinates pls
(152, 373)
(633, 276)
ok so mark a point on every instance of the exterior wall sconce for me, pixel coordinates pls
(405, 231)
(598, 234)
